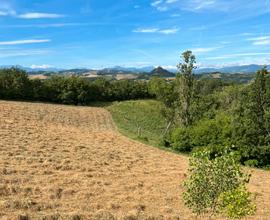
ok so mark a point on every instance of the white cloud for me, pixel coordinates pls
(260, 41)
(162, 8)
(236, 10)
(225, 42)
(157, 30)
(50, 25)
(218, 57)
(3, 13)
(37, 15)
(191, 5)
(6, 8)
(246, 34)
(43, 66)
(156, 3)
(175, 15)
(203, 4)
(169, 67)
(171, 1)
(247, 61)
(160, 5)
(259, 38)
(235, 55)
(204, 49)
(18, 42)
(169, 31)
(20, 53)
(146, 30)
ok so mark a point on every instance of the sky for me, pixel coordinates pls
(137, 33)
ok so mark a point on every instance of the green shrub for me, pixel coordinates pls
(181, 140)
(215, 131)
(213, 150)
(254, 156)
(211, 182)
(205, 133)
(236, 203)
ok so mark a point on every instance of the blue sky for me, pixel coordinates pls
(102, 33)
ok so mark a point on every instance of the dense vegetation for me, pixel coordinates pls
(191, 113)
(15, 85)
(213, 115)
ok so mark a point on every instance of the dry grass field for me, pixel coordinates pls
(63, 162)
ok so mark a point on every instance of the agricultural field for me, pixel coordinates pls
(67, 162)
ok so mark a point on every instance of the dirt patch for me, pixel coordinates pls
(63, 162)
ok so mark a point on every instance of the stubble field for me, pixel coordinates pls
(64, 162)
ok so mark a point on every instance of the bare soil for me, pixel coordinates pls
(63, 162)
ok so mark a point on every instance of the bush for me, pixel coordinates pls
(181, 140)
(205, 133)
(254, 156)
(236, 204)
(213, 150)
(211, 184)
(215, 131)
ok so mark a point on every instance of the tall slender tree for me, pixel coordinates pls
(185, 86)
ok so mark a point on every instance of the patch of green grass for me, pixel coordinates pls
(140, 120)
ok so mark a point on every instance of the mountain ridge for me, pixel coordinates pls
(252, 68)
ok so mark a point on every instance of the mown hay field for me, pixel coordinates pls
(67, 162)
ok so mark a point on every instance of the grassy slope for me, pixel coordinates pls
(130, 115)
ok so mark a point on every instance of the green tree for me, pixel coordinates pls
(212, 184)
(251, 121)
(185, 88)
(260, 99)
(39, 91)
(15, 84)
(53, 88)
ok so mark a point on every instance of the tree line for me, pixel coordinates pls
(16, 85)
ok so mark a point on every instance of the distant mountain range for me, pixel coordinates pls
(159, 71)
(145, 69)
(29, 69)
(233, 69)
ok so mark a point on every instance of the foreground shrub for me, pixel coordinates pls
(212, 185)
(236, 204)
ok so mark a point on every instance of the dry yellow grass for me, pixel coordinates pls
(63, 162)
(39, 76)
